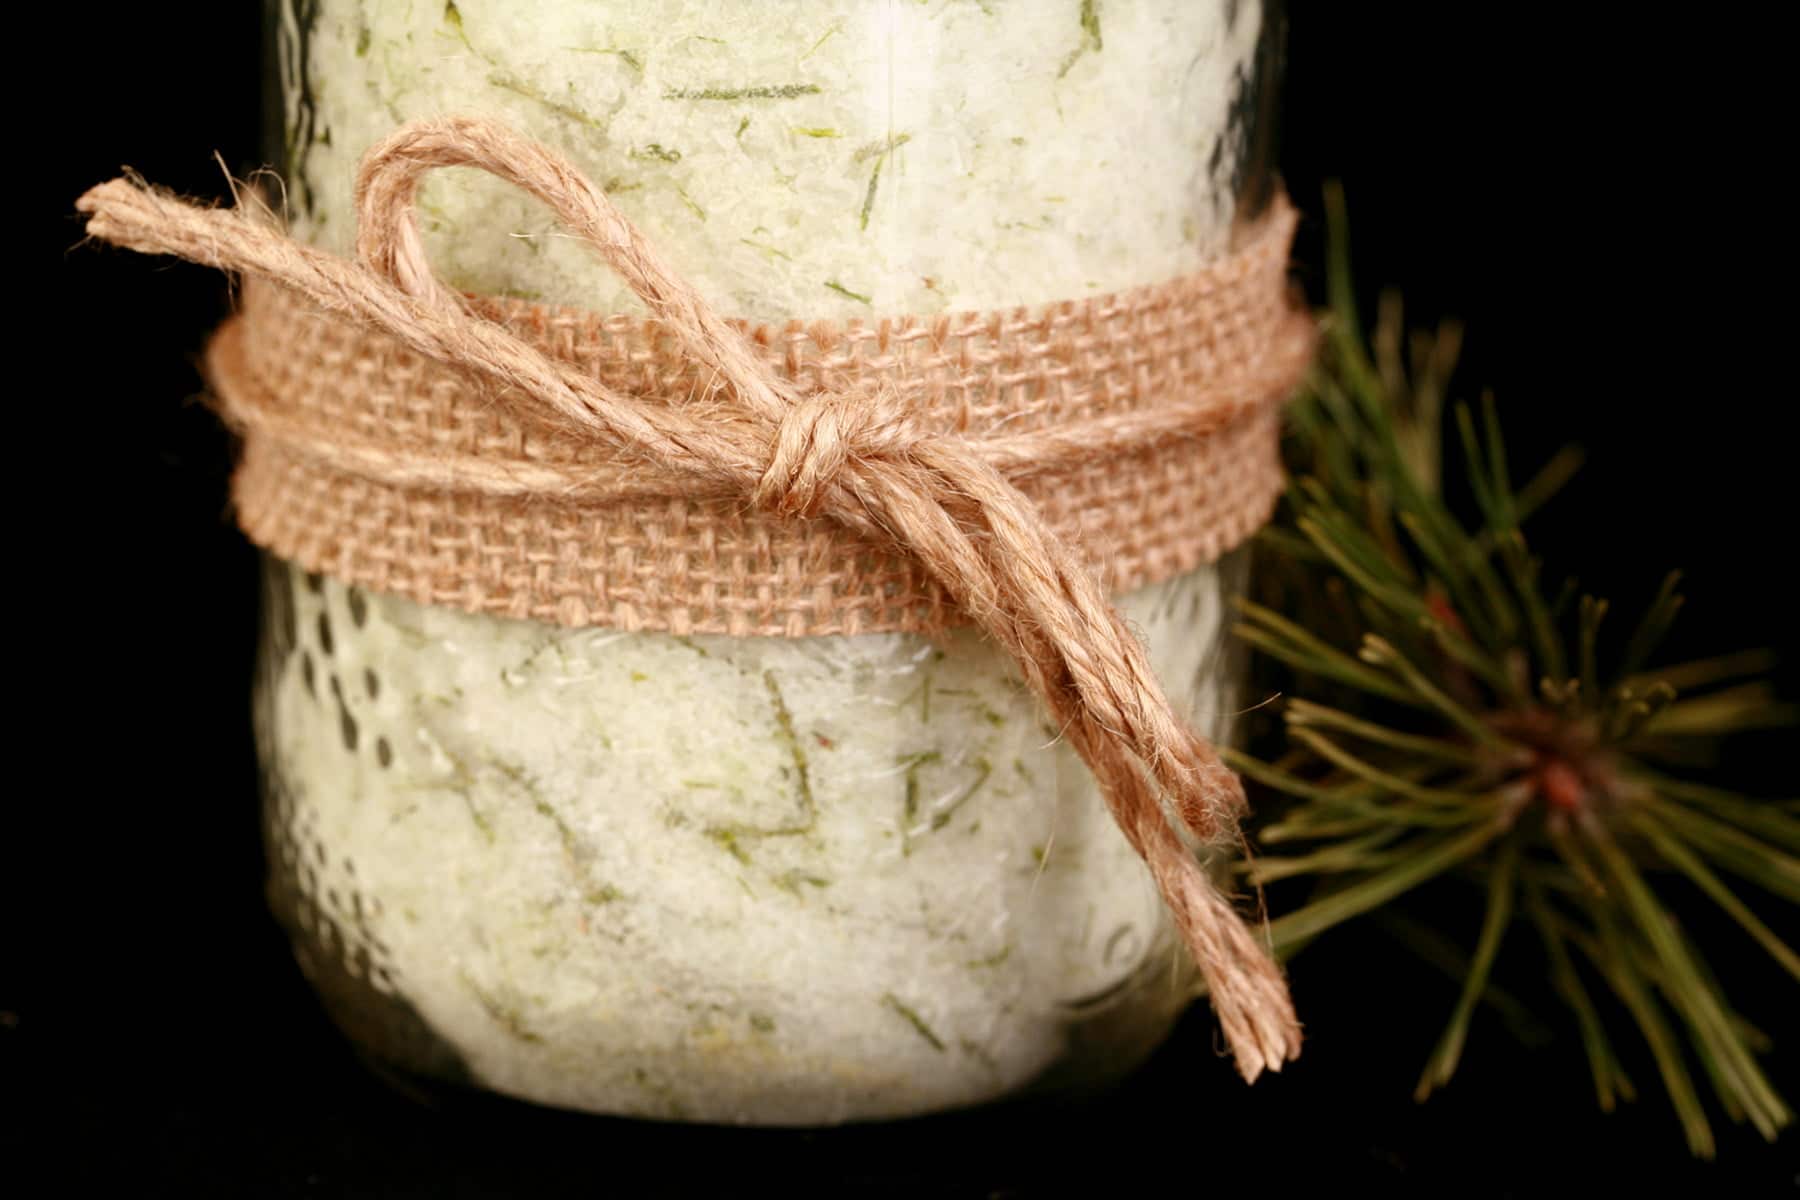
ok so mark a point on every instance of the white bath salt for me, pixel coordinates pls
(814, 158)
(728, 879)
(777, 881)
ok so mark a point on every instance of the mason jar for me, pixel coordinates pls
(748, 879)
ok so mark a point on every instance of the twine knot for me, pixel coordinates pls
(822, 432)
(855, 457)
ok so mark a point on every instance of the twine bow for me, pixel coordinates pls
(853, 457)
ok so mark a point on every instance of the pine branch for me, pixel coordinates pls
(1449, 715)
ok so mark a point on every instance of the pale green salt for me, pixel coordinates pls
(757, 880)
(790, 880)
(924, 156)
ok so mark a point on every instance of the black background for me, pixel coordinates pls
(1593, 198)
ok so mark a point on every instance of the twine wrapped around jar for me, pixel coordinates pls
(502, 458)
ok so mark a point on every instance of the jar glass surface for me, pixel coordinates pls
(766, 880)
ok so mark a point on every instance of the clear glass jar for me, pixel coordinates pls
(756, 880)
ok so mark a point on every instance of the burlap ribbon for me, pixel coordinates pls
(711, 416)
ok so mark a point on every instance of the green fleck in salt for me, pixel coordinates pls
(841, 290)
(783, 91)
(914, 1019)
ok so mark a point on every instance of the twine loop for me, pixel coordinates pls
(853, 456)
(814, 435)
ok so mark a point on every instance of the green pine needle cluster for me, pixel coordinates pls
(1445, 714)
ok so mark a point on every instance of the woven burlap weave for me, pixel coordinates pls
(807, 480)
(580, 542)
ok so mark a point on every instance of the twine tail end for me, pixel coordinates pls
(132, 214)
(1248, 991)
(104, 204)
(1245, 984)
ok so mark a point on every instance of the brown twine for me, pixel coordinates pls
(856, 456)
